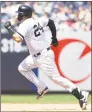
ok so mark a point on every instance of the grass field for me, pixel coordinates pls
(49, 98)
(50, 102)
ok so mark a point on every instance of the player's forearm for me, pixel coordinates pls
(13, 32)
(53, 31)
(17, 37)
(52, 28)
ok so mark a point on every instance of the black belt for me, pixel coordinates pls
(35, 55)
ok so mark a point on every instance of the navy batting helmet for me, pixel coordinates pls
(24, 10)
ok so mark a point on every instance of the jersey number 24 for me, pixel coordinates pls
(38, 30)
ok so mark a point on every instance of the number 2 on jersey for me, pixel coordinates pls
(37, 30)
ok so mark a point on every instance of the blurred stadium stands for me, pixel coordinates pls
(71, 16)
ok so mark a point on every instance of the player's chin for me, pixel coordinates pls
(19, 19)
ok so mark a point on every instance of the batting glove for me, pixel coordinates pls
(7, 25)
(54, 42)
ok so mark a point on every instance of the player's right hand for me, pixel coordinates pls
(54, 42)
(7, 25)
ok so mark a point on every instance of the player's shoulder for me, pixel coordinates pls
(43, 18)
(27, 22)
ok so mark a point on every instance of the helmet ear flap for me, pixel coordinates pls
(20, 16)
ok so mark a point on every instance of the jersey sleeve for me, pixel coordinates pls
(22, 29)
(44, 21)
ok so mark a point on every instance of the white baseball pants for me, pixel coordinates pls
(46, 63)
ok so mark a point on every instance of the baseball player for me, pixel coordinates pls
(41, 55)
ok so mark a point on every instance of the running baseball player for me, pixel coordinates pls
(41, 55)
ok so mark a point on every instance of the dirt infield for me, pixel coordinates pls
(42, 107)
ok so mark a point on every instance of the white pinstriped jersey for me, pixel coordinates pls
(33, 32)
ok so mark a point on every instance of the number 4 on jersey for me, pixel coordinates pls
(38, 30)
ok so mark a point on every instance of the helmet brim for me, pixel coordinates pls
(17, 11)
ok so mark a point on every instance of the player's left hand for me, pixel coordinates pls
(54, 42)
(7, 25)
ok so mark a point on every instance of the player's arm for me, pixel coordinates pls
(53, 31)
(16, 36)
